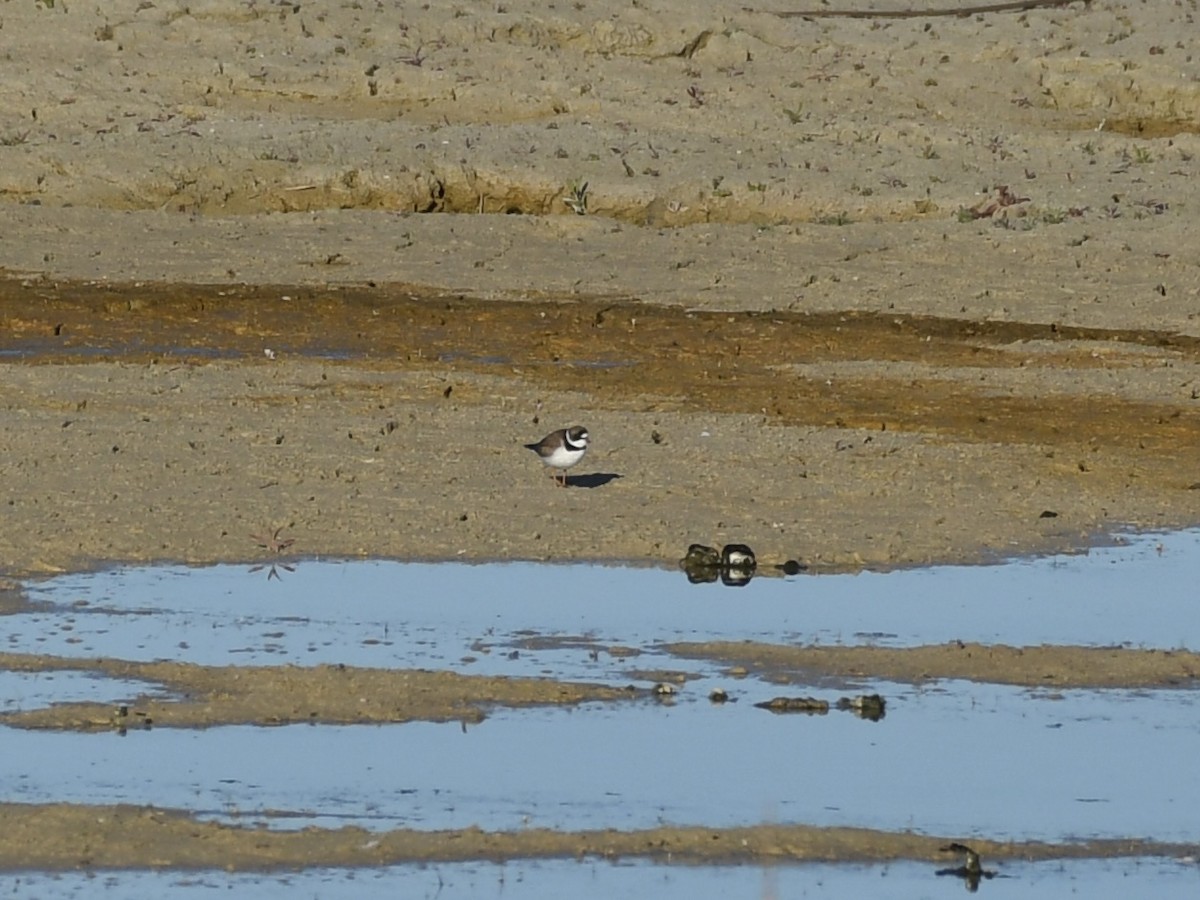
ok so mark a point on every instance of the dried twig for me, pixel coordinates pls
(987, 208)
(1012, 6)
(272, 542)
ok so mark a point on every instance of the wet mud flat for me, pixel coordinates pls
(176, 435)
(845, 442)
(124, 837)
(207, 696)
(867, 293)
(63, 836)
(383, 422)
(961, 695)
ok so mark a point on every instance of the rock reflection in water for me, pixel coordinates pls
(734, 564)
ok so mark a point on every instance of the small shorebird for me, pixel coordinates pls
(562, 449)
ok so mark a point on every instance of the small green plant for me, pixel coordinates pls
(839, 218)
(1022, 223)
(793, 115)
(930, 153)
(1142, 156)
(576, 198)
(1088, 149)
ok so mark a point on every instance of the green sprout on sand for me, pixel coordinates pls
(576, 198)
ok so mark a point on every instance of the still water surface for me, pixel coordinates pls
(951, 758)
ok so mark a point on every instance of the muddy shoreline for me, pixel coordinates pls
(112, 837)
(863, 292)
(156, 423)
(210, 696)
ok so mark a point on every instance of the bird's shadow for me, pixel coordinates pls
(594, 480)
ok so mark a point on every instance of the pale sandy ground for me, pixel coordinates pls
(282, 144)
(165, 141)
(734, 161)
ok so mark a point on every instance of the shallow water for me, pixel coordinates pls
(952, 758)
(452, 615)
(961, 759)
(591, 880)
(32, 690)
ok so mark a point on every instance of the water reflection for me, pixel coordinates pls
(871, 707)
(971, 871)
(273, 569)
(589, 879)
(587, 767)
(456, 616)
(954, 758)
(733, 564)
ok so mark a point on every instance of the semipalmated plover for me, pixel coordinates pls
(562, 449)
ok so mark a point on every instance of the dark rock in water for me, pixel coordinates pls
(737, 565)
(736, 577)
(865, 706)
(809, 705)
(664, 691)
(699, 555)
(971, 871)
(702, 564)
(734, 564)
(738, 556)
(703, 574)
